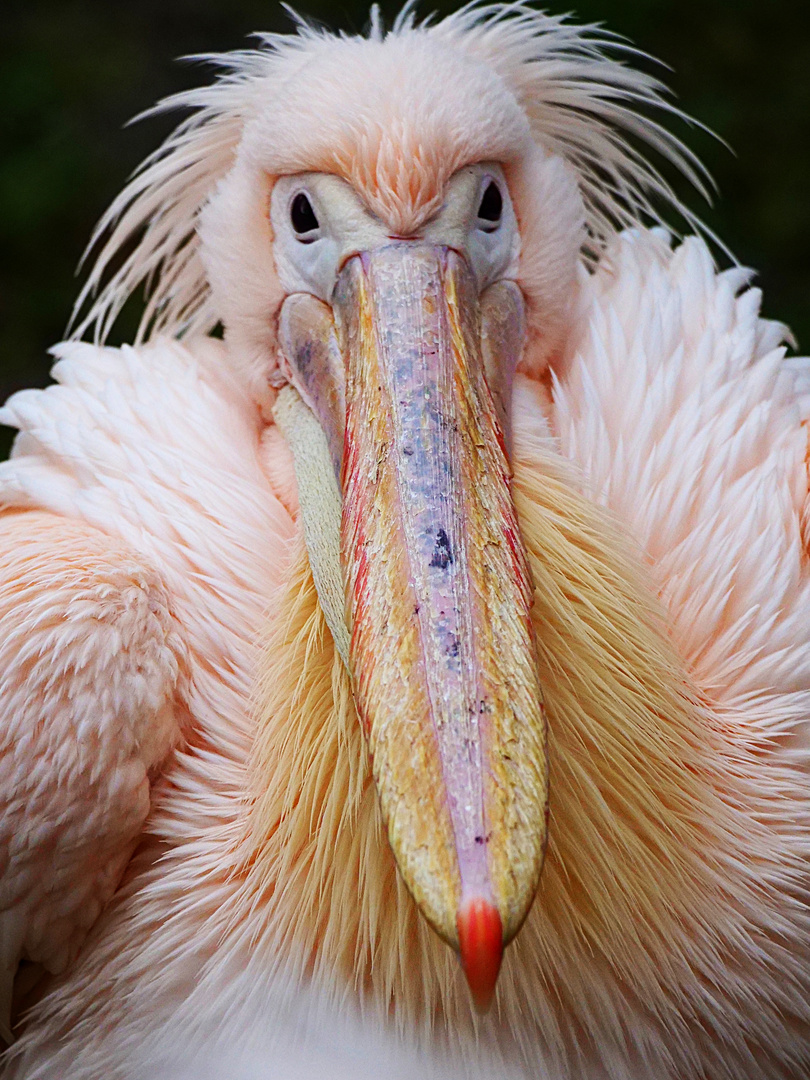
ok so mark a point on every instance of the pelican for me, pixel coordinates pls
(405, 655)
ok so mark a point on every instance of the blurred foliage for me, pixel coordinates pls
(74, 71)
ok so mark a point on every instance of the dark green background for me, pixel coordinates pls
(73, 72)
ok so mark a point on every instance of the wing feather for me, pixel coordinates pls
(90, 662)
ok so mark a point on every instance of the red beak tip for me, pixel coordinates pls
(480, 939)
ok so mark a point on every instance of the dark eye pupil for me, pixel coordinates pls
(491, 203)
(302, 215)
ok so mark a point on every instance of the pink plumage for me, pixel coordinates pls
(192, 846)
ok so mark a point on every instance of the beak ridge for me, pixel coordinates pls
(438, 592)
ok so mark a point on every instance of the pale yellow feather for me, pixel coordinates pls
(645, 888)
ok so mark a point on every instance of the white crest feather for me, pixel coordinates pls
(583, 103)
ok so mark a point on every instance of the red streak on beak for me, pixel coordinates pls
(480, 936)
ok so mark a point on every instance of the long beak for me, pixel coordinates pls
(438, 596)
(408, 409)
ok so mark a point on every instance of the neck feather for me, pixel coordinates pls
(631, 865)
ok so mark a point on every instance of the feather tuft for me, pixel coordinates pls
(582, 101)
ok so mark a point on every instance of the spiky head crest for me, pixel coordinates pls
(395, 114)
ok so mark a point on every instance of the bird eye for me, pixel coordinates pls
(491, 206)
(302, 215)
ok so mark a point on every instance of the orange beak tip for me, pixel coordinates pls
(480, 937)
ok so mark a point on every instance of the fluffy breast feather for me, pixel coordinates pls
(672, 921)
